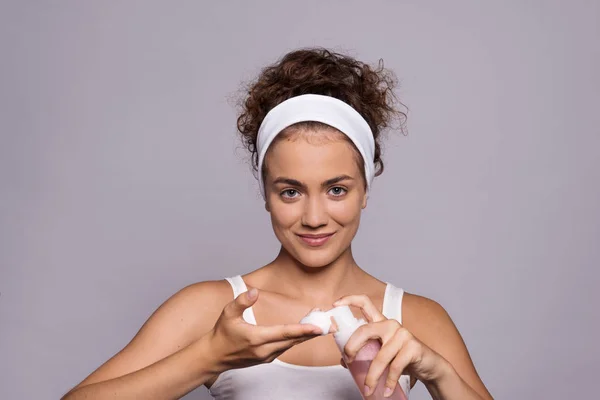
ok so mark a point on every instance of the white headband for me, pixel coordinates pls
(325, 109)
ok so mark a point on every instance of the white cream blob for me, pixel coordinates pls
(344, 320)
(319, 318)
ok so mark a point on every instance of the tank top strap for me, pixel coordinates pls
(239, 286)
(392, 302)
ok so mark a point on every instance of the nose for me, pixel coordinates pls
(315, 212)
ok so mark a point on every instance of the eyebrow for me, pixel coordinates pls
(297, 183)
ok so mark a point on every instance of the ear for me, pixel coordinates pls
(364, 201)
(267, 207)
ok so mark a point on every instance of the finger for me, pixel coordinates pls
(282, 346)
(364, 303)
(407, 355)
(381, 362)
(279, 333)
(383, 330)
(245, 300)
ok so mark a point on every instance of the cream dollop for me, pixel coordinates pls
(318, 318)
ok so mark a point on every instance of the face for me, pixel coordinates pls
(315, 193)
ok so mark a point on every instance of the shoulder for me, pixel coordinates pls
(196, 306)
(186, 315)
(209, 292)
(427, 320)
(419, 310)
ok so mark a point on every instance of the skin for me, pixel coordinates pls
(314, 185)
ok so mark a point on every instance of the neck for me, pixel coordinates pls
(321, 285)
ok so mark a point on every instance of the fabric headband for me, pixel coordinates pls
(325, 109)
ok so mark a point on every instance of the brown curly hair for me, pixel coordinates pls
(370, 90)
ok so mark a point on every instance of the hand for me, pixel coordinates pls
(400, 351)
(238, 344)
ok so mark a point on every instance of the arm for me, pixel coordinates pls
(169, 356)
(431, 324)
(169, 378)
(182, 347)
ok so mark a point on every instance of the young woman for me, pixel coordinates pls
(312, 123)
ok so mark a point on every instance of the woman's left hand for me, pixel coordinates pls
(400, 351)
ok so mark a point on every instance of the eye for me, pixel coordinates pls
(290, 193)
(337, 191)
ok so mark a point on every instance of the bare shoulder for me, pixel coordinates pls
(181, 319)
(186, 315)
(429, 322)
(194, 308)
(424, 316)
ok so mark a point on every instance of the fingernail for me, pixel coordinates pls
(367, 390)
(252, 293)
(387, 392)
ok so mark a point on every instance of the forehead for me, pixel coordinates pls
(310, 157)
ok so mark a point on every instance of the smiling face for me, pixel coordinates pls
(315, 192)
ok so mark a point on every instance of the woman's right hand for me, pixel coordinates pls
(238, 344)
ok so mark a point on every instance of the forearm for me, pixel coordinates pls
(169, 378)
(450, 386)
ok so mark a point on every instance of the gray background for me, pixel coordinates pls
(122, 178)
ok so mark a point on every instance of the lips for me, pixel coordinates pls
(315, 240)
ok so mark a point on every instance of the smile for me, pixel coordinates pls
(316, 240)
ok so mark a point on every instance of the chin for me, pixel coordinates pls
(316, 259)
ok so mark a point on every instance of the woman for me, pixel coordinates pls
(312, 123)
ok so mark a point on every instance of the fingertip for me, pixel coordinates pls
(252, 293)
(340, 302)
(388, 392)
(310, 329)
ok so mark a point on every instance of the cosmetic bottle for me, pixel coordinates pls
(359, 367)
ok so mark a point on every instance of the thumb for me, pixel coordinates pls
(243, 301)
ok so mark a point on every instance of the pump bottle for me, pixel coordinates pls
(346, 326)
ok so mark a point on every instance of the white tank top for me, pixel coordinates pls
(279, 380)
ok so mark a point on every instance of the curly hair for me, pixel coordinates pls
(369, 90)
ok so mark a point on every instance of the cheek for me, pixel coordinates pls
(285, 215)
(345, 212)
